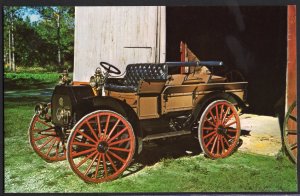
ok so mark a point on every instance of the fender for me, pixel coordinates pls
(110, 103)
(202, 103)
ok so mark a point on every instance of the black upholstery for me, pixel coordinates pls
(135, 73)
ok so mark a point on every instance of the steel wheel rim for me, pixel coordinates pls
(290, 131)
(219, 129)
(45, 141)
(101, 157)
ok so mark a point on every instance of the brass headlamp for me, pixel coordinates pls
(97, 80)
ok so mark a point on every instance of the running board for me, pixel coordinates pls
(165, 135)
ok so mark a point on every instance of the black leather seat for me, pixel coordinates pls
(135, 73)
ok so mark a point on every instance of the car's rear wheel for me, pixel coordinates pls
(219, 129)
(101, 146)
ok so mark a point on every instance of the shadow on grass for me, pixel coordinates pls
(171, 148)
(156, 151)
(12, 102)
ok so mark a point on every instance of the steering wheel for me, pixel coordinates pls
(108, 67)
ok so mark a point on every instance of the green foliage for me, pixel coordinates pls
(30, 80)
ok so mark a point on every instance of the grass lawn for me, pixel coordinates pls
(24, 171)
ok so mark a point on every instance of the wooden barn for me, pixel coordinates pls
(250, 39)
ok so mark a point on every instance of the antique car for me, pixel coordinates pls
(100, 126)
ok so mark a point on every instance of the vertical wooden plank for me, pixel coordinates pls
(162, 51)
(291, 81)
(118, 35)
(291, 75)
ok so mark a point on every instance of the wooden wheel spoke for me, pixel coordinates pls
(210, 134)
(226, 141)
(83, 144)
(106, 126)
(221, 112)
(104, 165)
(99, 125)
(111, 162)
(51, 129)
(90, 166)
(212, 124)
(86, 136)
(116, 156)
(117, 135)
(218, 145)
(44, 123)
(231, 129)
(217, 113)
(224, 117)
(119, 149)
(98, 163)
(40, 137)
(85, 159)
(222, 144)
(43, 145)
(119, 141)
(83, 152)
(226, 120)
(49, 135)
(112, 130)
(227, 125)
(213, 147)
(213, 117)
(51, 146)
(211, 139)
(92, 130)
(208, 128)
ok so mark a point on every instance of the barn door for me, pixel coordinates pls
(118, 35)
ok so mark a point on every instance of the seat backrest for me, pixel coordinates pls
(137, 72)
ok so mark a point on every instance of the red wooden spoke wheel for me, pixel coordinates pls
(101, 146)
(45, 140)
(290, 131)
(219, 129)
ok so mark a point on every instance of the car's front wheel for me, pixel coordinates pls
(101, 146)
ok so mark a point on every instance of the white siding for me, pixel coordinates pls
(117, 35)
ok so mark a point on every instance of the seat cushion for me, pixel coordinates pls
(135, 73)
(121, 88)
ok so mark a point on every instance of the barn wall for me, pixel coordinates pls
(117, 35)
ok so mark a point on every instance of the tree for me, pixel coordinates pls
(60, 21)
(11, 15)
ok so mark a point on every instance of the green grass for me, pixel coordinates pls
(25, 171)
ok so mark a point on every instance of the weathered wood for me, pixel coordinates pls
(291, 75)
(118, 35)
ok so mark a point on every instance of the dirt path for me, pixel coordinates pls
(265, 134)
